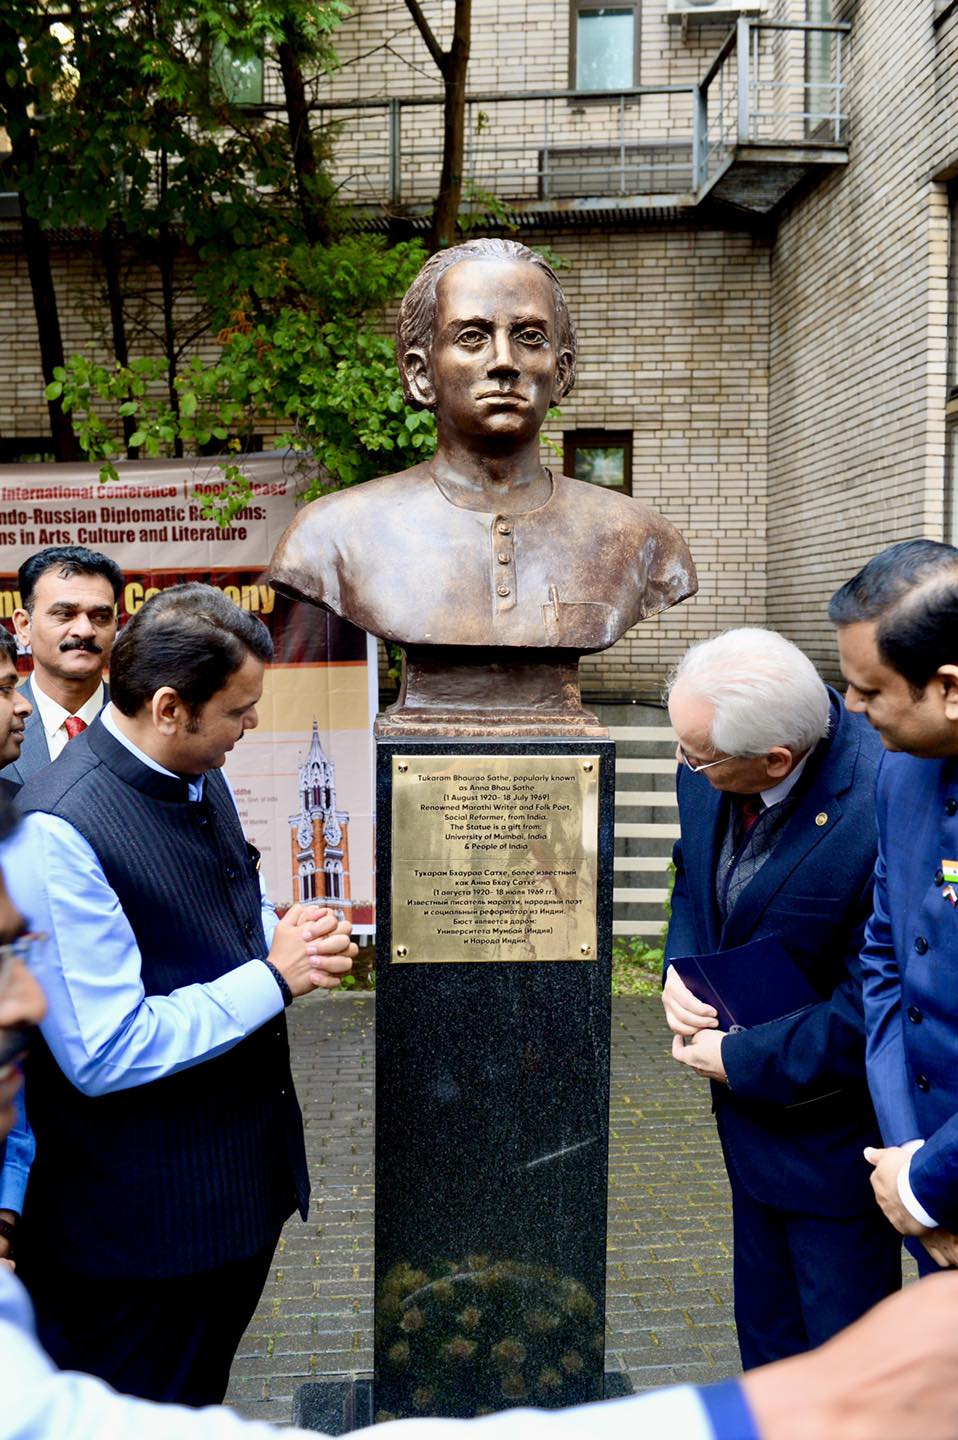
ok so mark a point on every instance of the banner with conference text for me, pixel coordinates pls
(303, 779)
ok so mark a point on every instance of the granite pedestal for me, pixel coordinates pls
(492, 1089)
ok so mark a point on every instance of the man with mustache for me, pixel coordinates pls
(67, 617)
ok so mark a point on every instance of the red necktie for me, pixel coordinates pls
(750, 809)
(74, 725)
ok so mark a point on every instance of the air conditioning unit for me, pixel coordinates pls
(714, 10)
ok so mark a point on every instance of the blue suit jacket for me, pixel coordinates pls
(796, 1113)
(910, 968)
(34, 752)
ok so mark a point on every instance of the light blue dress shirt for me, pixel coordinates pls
(41, 1403)
(104, 1031)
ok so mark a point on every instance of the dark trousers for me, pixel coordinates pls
(159, 1339)
(799, 1279)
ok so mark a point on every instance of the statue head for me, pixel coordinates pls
(415, 327)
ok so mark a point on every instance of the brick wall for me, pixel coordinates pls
(858, 326)
(673, 326)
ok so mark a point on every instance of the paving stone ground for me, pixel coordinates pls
(669, 1303)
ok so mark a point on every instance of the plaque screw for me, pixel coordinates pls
(585, 949)
(401, 952)
(587, 765)
(402, 767)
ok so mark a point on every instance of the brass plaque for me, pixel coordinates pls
(494, 857)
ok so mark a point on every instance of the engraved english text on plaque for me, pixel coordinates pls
(497, 857)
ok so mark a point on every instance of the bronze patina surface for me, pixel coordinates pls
(498, 857)
(482, 551)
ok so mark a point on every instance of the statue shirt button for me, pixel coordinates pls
(504, 528)
(502, 590)
(503, 558)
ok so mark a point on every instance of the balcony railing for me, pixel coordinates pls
(780, 84)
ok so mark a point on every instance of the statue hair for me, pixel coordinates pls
(417, 313)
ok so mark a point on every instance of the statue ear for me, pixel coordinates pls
(418, 381)
(564, 370)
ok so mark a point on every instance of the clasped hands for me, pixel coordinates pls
(698, 1041)
(888, 1163)
(312, 949)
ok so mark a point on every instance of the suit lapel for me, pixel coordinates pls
(704, 816)
(34, 752)
(833, 773)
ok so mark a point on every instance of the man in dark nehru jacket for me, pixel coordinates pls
(67, 616)
(897, 625)
(169, 1138)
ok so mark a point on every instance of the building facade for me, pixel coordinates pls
(752, 204)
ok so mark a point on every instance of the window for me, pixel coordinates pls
(604, 46)
(334, 879)
(821, 94)
(238, 80)
(307, 882)
(603, 457)
(26, 451)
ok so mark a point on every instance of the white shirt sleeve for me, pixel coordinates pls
(908, 1197)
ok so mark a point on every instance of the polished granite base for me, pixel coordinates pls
(336, 1407)
(492, 1091)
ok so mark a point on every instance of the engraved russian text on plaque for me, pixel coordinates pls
(498, 857)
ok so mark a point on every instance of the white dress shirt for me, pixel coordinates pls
(53, 717)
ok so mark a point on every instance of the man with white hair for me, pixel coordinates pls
(772, 892)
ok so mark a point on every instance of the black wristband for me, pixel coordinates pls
(284, 989)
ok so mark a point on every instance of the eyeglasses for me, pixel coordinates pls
(696, 769)
(12, 953)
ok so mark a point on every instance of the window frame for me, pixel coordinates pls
(220, 53)
(594, 438)
(575, 9)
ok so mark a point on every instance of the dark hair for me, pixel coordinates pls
(417, 313)
(190, 637)
(911, 590)
(8, 645)
(67, 560)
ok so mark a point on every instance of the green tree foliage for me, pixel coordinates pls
(322, 363)
(139, 139)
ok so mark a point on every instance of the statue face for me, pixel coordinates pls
(493, 368)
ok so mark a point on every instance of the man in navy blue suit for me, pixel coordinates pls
(898, 639)
(774, 873)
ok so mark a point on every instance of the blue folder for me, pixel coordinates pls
(750, 984)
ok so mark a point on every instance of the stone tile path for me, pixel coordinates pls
(669, 1276)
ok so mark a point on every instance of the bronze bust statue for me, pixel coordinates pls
(492, 573)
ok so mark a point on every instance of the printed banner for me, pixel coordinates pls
(303, 779)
